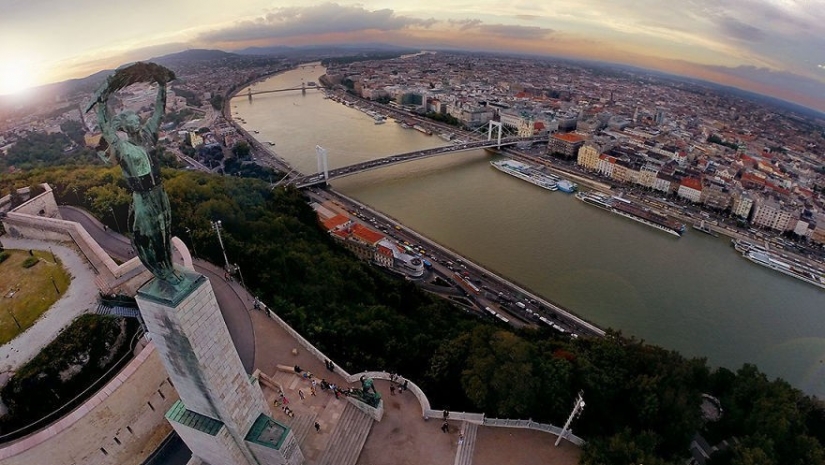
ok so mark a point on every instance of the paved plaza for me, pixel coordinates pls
(402, 437)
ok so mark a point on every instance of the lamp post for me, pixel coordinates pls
(217, 226)
(192, 240)
(55, 285)
(238, 269)
(577, 410)
(15, 319)
(112, 209)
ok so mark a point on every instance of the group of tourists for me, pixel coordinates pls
(397, 380)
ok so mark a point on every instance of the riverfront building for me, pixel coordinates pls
(367, 243)
(742, 204)
(772, 214)
(567, 144)
(690, 189)
(588, 157)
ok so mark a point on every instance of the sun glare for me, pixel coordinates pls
(15, 77)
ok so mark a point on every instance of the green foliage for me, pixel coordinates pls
(642, 401)
(233, 167)
(242, 150)
(80, 355)
(217, 102)
(74, 131)
(714, 139)
(626, 447)
(191, 99)
(4, 256)
(39, 149)
(30, 262)
(444, 118)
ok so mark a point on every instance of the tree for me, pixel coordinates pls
(217, 102)
(499, 373)
(74, 131)
(242, 150)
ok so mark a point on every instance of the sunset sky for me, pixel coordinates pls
(776, 47)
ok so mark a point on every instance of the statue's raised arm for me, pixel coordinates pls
(151, 225)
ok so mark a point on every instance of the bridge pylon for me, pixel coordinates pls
(323, 165)
(490, 132)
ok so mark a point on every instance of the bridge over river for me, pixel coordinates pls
(319, 178)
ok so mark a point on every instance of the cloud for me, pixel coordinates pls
(465, 24)
(327, 18)
(515, 32)
(732, 27)
(528, 17)
(509, 31)
(820, 66)
(789, 86)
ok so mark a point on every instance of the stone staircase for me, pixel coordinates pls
(301, 425)
(126, 312)
(464, 455)
(348, 438)
(285, 379)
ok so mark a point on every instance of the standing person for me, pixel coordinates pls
(404, 386)
(301, 394)
(392, 389)
(317, 427)
(445, 427)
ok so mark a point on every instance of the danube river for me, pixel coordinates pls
(692, 294)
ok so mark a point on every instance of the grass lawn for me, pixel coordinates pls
(25, 293)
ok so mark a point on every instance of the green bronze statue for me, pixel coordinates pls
(151, 226)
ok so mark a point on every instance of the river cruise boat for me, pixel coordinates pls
(628, 209)
(795, 270)
(595, 199)
(525, 172)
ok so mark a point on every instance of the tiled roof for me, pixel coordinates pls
(569, 137)
(366, 234)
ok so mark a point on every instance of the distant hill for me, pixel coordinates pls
(324, 49)
(194, 55)
(763, 99)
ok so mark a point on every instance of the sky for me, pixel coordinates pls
(774, 47)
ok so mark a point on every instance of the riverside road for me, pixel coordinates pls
(495, 292)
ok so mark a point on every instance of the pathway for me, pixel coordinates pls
(80, 298)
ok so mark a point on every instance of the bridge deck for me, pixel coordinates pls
(317, 178)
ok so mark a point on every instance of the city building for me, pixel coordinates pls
(716, 195)
(690, 189)
(770, 213)
(588, 157)
(742, 204)
(566, 144)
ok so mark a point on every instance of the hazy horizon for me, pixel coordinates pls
(765, 46)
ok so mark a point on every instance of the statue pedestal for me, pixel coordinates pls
(222, 414)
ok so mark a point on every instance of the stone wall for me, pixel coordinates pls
(122, 424)
(41, 205)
